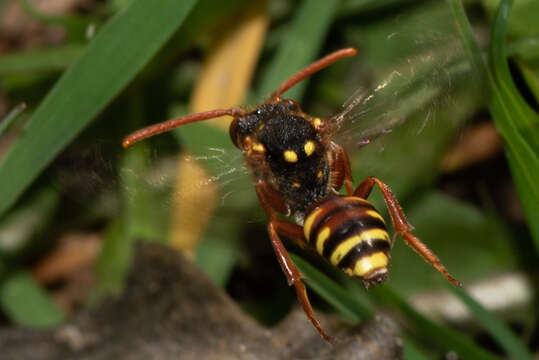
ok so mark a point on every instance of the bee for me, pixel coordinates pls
(298, 170)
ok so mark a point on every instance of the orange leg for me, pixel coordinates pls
(293, 275)
(402, 226)
(294, 278)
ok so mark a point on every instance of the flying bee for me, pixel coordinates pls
(298, 170)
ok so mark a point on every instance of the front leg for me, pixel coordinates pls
(293, 275)
(402, 226)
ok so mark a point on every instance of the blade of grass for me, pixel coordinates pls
(499, 331)
(412, 351)
(113, 262)
(57, 58)
(300, 46)
(26, 303)
(426, 330)
(11, 116)
(140, 220)
(347, 304)
(525, 118)
(532, 78)
(218, 253)
(516, 122)
(110, 62)
(21, 228)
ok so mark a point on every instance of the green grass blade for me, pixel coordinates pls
(113, 58)
(503, 335)
(516, 122)
(113, 262)
(26, 303)
(11, 116)
(22, 228)
(428, 331)
(348, 305)
(525, 117)
(412, 351)
(300, 46)
(57, 58)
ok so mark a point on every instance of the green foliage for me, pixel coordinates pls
(86, 88)
(503, 335)
(26, 303)
(517, 122)
(301, 46)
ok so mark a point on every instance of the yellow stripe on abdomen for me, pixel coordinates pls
(368, 264)
(309, 222)
(348, 244)
(321, 239)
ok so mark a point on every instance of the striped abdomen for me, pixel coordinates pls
(351, 235)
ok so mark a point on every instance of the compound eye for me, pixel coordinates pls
(233, 132)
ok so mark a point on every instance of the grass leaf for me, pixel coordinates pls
(427, 330)
(11, 116)
(301, 45)
(114, 57)
(26, 303)
(503, 335)
(57, 58)
(517, 123)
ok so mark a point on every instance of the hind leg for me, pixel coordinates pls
(402, 226)
(270, 201)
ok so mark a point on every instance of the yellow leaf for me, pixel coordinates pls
(222, 83)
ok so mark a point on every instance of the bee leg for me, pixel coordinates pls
(402, 226)
(270, 199)
(293, 276)
(271, 202)
(340, 167)
(291, 231)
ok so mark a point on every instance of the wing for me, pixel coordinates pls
(104, 176)
(414, 85)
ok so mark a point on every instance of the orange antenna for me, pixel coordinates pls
(168, 125)
(311, 69)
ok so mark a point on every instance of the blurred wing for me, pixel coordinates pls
(106, 179)
(414, 85)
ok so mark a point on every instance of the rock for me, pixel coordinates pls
(170, 310)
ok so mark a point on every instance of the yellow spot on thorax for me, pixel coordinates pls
(290, 156)
(309, 147)
(296, 184)
(317, 122)
(319, 174)
(258, 147)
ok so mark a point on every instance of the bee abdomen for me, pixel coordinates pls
(351, 235)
